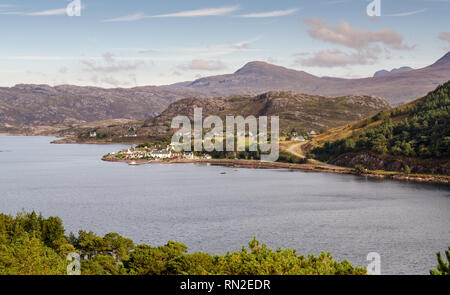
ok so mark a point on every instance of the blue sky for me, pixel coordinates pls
(132, 43)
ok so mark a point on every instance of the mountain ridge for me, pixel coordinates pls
(257, 77)
(34, 105)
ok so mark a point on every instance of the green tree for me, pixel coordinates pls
(29, 256)
(443, 268)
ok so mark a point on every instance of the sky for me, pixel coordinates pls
(135, 43)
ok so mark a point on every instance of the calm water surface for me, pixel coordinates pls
(208, 211)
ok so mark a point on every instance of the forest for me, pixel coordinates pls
(420, 129)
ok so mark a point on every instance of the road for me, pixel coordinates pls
(296, 150)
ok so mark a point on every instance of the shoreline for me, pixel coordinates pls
(253, 164)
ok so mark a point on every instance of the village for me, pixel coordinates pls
(169, 153)
(156, 153)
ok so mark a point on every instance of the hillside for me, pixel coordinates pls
(300, 111)
(415, 137)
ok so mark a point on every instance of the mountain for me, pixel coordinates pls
(393, 71)
(25, 106)
(415, 137)
(34, 105)
(300, 111)
(259, 77)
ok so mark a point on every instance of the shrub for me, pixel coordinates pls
(359, 169)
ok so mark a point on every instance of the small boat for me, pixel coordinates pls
(223, 173)
(133, 163)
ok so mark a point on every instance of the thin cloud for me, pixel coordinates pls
(201, 12)
(50, 12)
(147, 51)
(408, 13)
(204, 65)
(346, 35)
(110, 64)
(127, 18)
(188, 13)
(5, 8)
(275, 13)
(59, 11)
(221, 49)
(366, 46)
(444, 36)
(337, 58)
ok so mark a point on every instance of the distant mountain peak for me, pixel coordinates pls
(393, 71)
(443, 60)
(256, 66)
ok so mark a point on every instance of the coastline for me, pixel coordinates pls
(70, 140)
(254, 164)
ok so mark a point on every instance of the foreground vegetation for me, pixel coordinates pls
(443, 268)
(31, 244)
(410, 135)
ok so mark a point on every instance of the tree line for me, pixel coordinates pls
(31, 244)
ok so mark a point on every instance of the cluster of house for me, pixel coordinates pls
(157, 154)
(93, 134)
(311, 134)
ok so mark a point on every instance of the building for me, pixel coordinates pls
(161, 154)
(300, 138)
